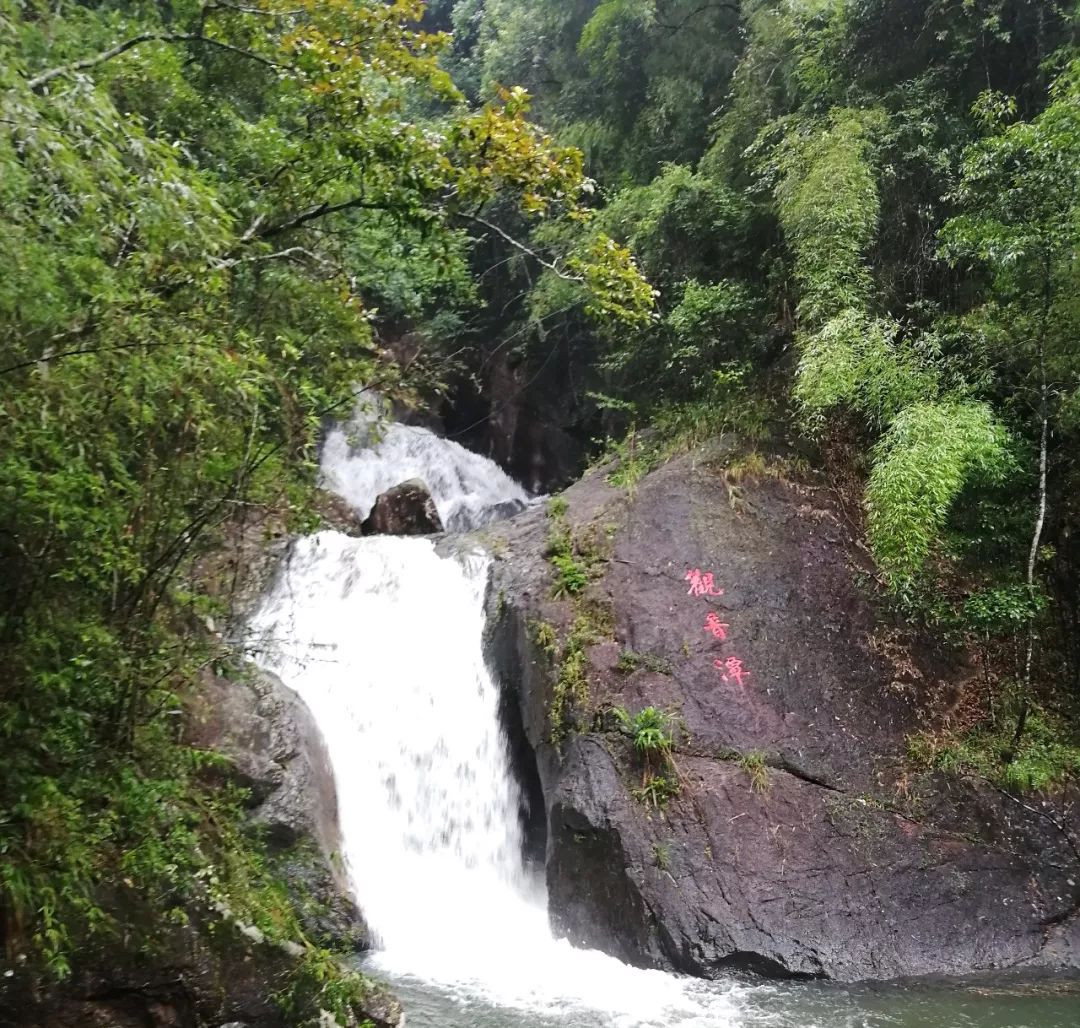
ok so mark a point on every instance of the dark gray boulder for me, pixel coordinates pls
(277, 753)
(406, 509)
(835, 858)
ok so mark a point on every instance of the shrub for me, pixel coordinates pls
(652, 732)
(571, 576)
(754, 764)
(931, 451)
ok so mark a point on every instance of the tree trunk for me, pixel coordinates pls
(1040, 521)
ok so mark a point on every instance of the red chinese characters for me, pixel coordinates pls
(701, 583)
(715, 627)
(732, 668)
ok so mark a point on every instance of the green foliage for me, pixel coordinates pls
(661, 856)
(657, 790)
(634, 458)
(1001, 610)
(629, 662)
(571, 692)
(574, 556)
(883, 234)
(708, 322)
(571, 576)
(614, 287)
(706, 313)
(827, 200)
(652, 732)
(545, 636)
(557, 507)
(593, 622)
(752, 464)
(683, 225)
(634, 80)
(757, 768)
(1048, 755)
(725, 405)
(862, 364)
(321, 982)
(828, 204)
(200, 231)
(202, 207)
(931, 451)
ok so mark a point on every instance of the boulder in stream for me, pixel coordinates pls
(406, 509)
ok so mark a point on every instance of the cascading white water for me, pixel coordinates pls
(369, 455)
(381, 637)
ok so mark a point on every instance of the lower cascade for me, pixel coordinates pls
(382, 638)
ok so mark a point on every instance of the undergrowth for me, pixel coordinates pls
(756, 768)
(658, 790)
(661, 856)
(726, 404)
(630, 661)
(1048, 753)
(592, 623)
(576, 557)
(322, 983)
(652, 732)
(754, 762)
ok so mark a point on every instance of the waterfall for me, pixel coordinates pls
(382, 639)
(369, 455)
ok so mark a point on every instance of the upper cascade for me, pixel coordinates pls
(369, 454)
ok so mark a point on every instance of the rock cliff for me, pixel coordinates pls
(800, 842)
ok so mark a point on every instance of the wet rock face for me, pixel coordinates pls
(407, 509)
(529, 420)
(801, 842)
(278, 754)
(201, 979)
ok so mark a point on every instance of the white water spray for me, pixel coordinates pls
(381, 637)
(369, 455)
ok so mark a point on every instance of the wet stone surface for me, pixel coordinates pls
(832, 859)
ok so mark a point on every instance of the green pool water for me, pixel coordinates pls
(1004, 1004)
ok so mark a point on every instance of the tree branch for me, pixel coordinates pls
(518, 245)
(1040, 518)
(129, 44)
(288, 254)
(225, 5)
(256, 230)
(733, 7)
(49, 358)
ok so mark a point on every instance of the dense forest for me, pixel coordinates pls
(845, 227)
(860, 219)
